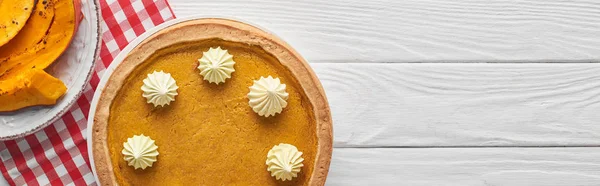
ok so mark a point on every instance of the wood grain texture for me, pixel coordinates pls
(422, 31)
(465, 166)
(433, 104)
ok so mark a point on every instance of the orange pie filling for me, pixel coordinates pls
(210, 135)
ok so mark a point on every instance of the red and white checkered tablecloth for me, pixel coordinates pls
(58, 155)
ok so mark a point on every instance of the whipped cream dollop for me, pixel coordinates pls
(159, 88)
(140, 151)
(216, 65)
(284, 161)
(267, 96)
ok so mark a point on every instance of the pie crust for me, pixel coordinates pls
(228, 30)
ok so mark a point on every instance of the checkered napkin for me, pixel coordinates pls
(58, 155)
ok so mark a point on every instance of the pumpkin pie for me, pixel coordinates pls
(209, 135)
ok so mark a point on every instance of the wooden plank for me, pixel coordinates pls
(476, 104)
(465, 166)
(417, 30)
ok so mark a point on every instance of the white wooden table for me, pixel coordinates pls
(437, 92)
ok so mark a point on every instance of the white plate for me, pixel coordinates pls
(74, 68)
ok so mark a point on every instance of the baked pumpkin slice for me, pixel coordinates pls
(33, 32)
(37, 58)
(52, 45)
(13, 17)
(28, 88)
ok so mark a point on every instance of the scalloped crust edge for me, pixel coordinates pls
(229, 30)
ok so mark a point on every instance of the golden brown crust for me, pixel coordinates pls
(227, 30)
